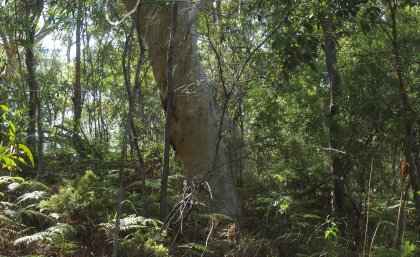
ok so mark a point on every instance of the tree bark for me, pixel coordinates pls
(411, 152)
(132, 99)
(163, 212)
(336, 161)
(77, 89)
(11, 51)
(40, 129)
(33, 93)
(33, 11)
(193, 125)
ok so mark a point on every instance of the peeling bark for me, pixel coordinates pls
(193, 125)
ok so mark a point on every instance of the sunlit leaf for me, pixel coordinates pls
(12, 127)
(28, 153)
(3, 149)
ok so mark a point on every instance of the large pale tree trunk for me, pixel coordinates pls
(194, 124)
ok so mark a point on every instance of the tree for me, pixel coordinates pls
(411, 151)
(77, 89)
(337, 168)
(169, 112)
(194, 127)
(331, 19)
(33, 12)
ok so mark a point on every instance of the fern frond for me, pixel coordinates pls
(9, 231)
(133, 222)
(40, 236)
(31, 185)
(176, 179)
(55, 234)
(34, 214)
(134, 185)
(215, 216)
(9, 213)
(6, 220)
(8, 205)
(54, 215)
(35, 195)
(9, 179)
(63, 229)
(153, 184)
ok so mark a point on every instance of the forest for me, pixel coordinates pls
(210, 128)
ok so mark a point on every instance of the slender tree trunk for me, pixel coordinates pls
(194, 127)
(133, 127)
(163, 211)
(394, 169)
(411, 152)
(33, 95)
(33, 11)
(132, 99)
(77, 89)
(132, 95)
(40, 143)
(141, 169)
(336, 161)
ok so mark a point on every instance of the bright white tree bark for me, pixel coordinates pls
(194, 126)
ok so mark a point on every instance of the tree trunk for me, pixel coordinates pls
(411, 153)
(11, 51)
(33, 11)
(193, 125)
(77, 90)
(40, 129)
(33, 94)
(336, 161)
(163, 211)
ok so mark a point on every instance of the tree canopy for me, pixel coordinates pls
(209, 128)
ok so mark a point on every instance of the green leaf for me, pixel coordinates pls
(9, 163)
(408, 249)
(28, 153)
(3, 149)
(21, 160)
(12, 127)
(4, 107)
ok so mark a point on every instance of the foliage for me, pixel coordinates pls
(139, 236)
(85, 199)
(12, 153)
(19, 215)
(265, 62)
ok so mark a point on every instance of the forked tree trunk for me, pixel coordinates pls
(194, 124)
